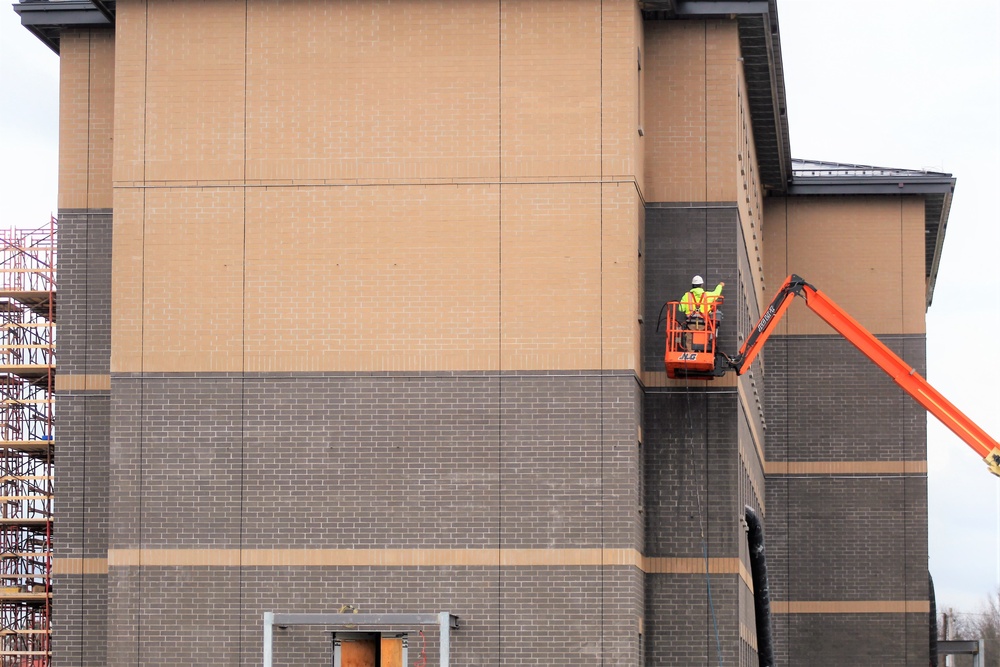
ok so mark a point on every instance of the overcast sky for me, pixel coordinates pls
(893, 83)
(916, 84)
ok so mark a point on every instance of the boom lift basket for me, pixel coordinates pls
(691, 341)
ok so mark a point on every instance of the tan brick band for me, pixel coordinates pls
(845, 467)
(83, 382)
(372, 557)
(80, 566)
(851, 607)
(660, 379)
(408, 558)
(468, 558)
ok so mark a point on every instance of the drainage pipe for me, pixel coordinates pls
(761, 594)
(933, 621)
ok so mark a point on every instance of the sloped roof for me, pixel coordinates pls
(814, 169)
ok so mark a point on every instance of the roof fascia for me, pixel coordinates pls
(875, 185)
(720, 7)
(46, 19)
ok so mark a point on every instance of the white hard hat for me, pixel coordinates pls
(697, 280)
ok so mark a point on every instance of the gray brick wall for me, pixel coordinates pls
(683, 240)
(845, 537)
(682, 620)
(476, 461)
(564, 617)
(84, 299)
(691, 473)
(696, 488)
(695, 483)
(827, 402)
(176, 463)
(79, 620)
(834, 640)
(81, 520)
(82, 454)
(535, 457)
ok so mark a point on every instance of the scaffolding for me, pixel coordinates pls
(27, 381)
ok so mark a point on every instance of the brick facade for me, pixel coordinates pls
(370, 326)
(84, 420)
(265, 464)
(839, 543)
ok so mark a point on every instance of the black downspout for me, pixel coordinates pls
(761, 594)
(933, 620)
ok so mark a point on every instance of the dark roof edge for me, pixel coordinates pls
(935, 254)
(46, 20)
(778, 92)
(870, 185)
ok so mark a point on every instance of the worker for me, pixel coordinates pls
(695, 306)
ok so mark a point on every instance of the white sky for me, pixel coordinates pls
(29, 125)
(894, 83)
(916, 84)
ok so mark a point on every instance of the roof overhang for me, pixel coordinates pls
(936, 189)
(46, 19)
(760, 46)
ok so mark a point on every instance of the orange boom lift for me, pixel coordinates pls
(698, 358)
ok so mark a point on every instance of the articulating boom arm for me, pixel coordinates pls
(902, 373)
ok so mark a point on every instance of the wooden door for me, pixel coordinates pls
(358, 652)
(392, 652)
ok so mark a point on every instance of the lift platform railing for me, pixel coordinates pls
(691, 338)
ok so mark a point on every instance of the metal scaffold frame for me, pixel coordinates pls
(27, 383)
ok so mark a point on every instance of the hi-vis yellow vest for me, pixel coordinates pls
(699, 300)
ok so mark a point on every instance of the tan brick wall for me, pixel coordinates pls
(192, 287)
(400, 277)
(397, 277)
(622, 223)
(415, 91)
(130, 98)
(551, 89)
(691, 111)
(195, 100)
(407, 91)
(409, 188)
(126, 281)
(86, 93)
(865, 253)
(640, 103)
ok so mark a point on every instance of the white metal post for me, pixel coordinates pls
(444, 619)
(268, 637)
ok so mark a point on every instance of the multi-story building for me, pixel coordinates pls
(358, 309)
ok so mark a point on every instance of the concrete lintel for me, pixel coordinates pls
(357, 620)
